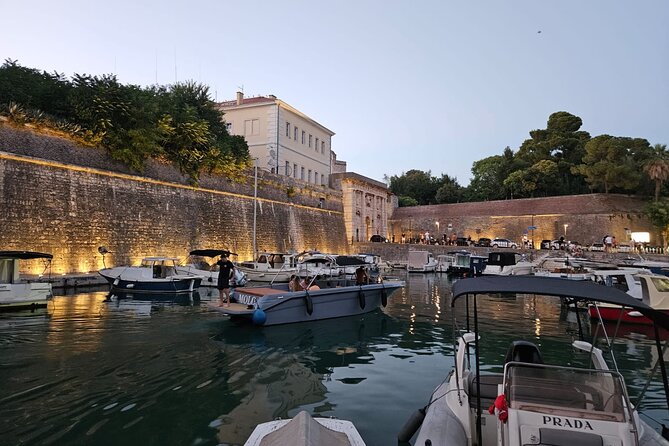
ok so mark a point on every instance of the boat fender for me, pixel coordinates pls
(259, 317)
(361, 298)
(500, 407)
(384, 296)
(310, 304)
(411, 426)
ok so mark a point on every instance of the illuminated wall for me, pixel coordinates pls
(70, 210)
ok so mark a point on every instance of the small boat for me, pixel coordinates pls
(270, 267)
(578, 402)
(303, 430)
(16, 293)
(153, 275)
(421, 262)
(444, 262)
(654, 292)
(461, 265)
(324, 298)
(507, 263)
(564, 268)
(199, 267)
(313, 263)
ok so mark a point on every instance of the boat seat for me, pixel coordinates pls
(524, 351)
(488, 385)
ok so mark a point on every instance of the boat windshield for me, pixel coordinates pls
(586, 393)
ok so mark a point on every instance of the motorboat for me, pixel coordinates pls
(653, 290)
(316, 263)
(507, 263)
(199, 267)
(15, 291)
(563, 268)
(324, 298)
(304, 430)
(623, 278)
(465, 264)
(421, 262)
(578, 402)
(444, 262)
(270, 267)
(153, 275)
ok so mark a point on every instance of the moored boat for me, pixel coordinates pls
(578, 402)
(304, 430)
(421, 262)
(324, 298)
(153, 275)
(654, 290)
(270, 267)
(15, 292)
(198, 267)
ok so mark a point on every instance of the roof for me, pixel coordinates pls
(24, 255)
(549, 286)
(211, 252)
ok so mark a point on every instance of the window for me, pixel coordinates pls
(316, 144)
(309, 177)
(287, 169)
(309, 140)
(302, 173)
(228, 127)
(294, 170)
(322, 146)
(251, 127)
(304, 134)
(315, 177)
(288, 129)
(295, 133)
(322, 179)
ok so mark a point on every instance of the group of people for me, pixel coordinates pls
(305, 283)
(609, 242)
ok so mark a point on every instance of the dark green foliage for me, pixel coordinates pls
(180, 123)
(658, 214)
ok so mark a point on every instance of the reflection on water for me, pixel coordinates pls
(98, 369)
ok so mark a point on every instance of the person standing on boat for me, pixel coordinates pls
(225, 273)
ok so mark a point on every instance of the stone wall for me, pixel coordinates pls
(583, 218)
(68, 200)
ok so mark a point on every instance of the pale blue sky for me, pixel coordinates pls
(430, 85)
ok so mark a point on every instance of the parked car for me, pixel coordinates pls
(483, 241)
(597, 247)
(462, 241)
(378, 238)
(546, 244)
(503, 243)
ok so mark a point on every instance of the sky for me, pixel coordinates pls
(428, 85)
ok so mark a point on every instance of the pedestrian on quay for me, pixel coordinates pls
(225, 273)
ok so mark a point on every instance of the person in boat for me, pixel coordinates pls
(361, 277)
(225, 273)
(294, 283)
(306, 284)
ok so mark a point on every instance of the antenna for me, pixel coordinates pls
(156, 66)
(175, 65)
(240, 88)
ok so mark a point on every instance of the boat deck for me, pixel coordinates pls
(259, 291)
(233, 310)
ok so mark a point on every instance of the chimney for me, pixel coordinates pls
(240, 97)
(272, 96)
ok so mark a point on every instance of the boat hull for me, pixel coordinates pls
(285, 307)
(16, 296)
(613, 314)
(274, 276)
(173, 284)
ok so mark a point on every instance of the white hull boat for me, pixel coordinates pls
(421, 262)
(153, 275)
(16, 293)
(581, 402)
(209, 272)
(303, 430)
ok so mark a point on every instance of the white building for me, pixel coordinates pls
(283, 139)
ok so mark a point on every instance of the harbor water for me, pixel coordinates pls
(90, 369)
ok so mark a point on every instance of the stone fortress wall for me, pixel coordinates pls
(68, 200)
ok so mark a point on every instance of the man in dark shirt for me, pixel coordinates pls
(224, 275)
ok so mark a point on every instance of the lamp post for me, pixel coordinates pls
(436, 223)
(566, 225)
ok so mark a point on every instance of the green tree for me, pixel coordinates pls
(657, 167)
(449, 191)
(404, 201)
(488, 177)
(417, 184)
(609, 163)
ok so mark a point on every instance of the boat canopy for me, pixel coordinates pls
(502, 258)
(586, 290)
(211, 252)
(24, 255)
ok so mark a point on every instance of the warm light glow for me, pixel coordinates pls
(641, 237)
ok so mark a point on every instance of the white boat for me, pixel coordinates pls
(325, 298)
(504, 263)
(153, 275)
(624, 278)
(421, 262)
(199, 267)
(581, 402)
(16, 293)
(270, 267)
(563, 267)
(303, 430)
(444, 262)
(316, 263)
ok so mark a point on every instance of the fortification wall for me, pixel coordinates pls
(68, 200)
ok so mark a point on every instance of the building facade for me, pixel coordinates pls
(284, 140)
(367, 205)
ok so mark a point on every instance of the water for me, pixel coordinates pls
(89, 371)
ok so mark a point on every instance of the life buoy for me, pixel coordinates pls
(309, 303)
(361, 298)
(384, 297)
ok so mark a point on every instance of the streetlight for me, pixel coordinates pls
(566, 225)
(437, 233)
